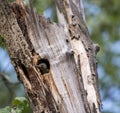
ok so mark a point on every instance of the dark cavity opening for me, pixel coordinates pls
(43, 65)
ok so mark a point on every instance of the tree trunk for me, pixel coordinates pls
(56, 62)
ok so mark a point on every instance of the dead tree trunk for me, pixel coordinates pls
(56, 62)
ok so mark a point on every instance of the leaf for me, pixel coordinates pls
(21, 105)
(20, 101)
(7, 109)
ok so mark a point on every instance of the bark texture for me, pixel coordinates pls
(56, 62)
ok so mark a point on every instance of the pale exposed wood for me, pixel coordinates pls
(55, 62)
(83, 47)
(64, 80)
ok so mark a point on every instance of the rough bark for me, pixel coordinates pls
(56, 62)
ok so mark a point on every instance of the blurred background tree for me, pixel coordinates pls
(103, 21)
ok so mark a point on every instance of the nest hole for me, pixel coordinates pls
(43, 65)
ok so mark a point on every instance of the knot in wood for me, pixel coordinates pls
(97, 48)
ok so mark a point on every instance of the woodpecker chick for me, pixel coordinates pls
(43, 68)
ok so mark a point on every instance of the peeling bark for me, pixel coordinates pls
(56, 62)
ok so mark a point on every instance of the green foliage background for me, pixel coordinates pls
(103, 21)
(19, 105)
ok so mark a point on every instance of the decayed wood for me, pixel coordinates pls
(55, 62)
(71, 11)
